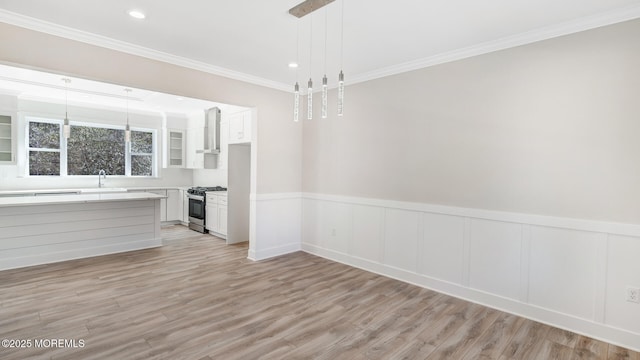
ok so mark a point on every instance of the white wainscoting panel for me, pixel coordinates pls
(312, 222)
(336, 224)
(623, 269)
(277, 225)
(442, 250)
(401, 237)
(562, 270)
(494, 261)
(368, 233)
(569, 273)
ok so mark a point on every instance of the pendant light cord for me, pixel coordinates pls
(310, 42)
(325, 41)
(341, 33)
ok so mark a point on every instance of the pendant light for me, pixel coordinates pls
(325, 89)
(310, 83)
(127, 129)
(341, 75)
(307, 7)
(296, 102)
(66, 128)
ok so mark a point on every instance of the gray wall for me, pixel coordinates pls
(548, 128)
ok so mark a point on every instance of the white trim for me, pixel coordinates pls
(273, 252)
(566, 28)
(556, 319)
(103, 41)
(511, 217)
(275, 196)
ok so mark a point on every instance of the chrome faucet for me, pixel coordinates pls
(102, 175)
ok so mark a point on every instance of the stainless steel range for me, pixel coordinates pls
(197, 206)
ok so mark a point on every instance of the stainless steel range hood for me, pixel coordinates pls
(211, 132)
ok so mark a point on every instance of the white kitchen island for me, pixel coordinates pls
(44, 229)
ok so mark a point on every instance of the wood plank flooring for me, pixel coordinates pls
(197, 298)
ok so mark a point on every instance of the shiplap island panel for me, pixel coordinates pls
(43, 229)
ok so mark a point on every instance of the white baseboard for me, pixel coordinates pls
(273, 252)
(568, 273)
(594, 330)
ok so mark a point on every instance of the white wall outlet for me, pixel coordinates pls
(633, 294)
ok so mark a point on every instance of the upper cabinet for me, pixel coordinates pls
(240, 127)
(195, 140)
(7, 143)
(176, 148)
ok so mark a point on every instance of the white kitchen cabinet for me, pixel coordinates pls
(172, 208)
(176, 148)
(163, 203)
(223, 157)
(240, 127)
(222, 220)
(185, 207)
(195, 141)
(174, 205)
(216, 214)
(7, 143)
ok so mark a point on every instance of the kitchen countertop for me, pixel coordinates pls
(76, 198)
(96, 190)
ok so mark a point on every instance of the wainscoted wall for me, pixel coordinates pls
(40, 234)
(276, 223)
(565, 272)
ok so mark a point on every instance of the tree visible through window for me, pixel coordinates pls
(44, 148)
(89, 150)
(141, 153)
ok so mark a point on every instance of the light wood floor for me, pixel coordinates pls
(197, 298)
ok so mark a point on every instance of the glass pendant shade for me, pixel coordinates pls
(127, 134)
(66, 128)
(296, 102)
(127, 129)
(340, 93)
(310, 100)
(325, 91)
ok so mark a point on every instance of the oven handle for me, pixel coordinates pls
(195, 197)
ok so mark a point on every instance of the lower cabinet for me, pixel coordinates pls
(185, 207)
(216, 214)
(174, 205)
(172, 208)
(163, 203)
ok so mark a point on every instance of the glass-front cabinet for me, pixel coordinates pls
(176, 140)
(7, 145)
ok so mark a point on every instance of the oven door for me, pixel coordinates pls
(196, 207)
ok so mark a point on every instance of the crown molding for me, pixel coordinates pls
(566, 28)
(103, 41)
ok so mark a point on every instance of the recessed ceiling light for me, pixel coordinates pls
(137, 14)
(293, 65)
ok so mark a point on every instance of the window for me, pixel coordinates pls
(90, 148)
(141, 153)
(44, 148)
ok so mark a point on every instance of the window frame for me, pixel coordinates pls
(64, 153)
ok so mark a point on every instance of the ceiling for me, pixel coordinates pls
(255, 40)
